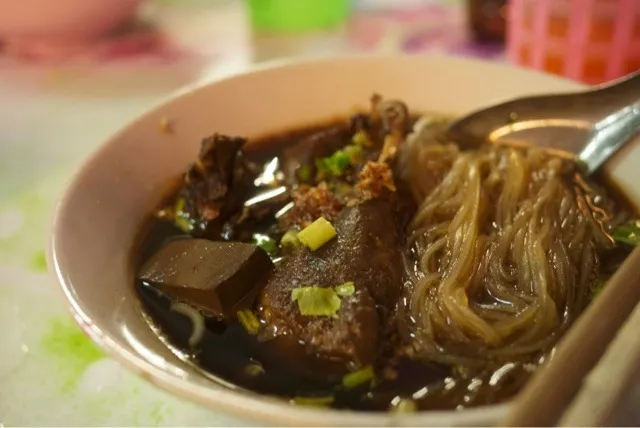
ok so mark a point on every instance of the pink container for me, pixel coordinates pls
(60, 25)
(593, 41)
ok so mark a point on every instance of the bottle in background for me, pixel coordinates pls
(487, 19)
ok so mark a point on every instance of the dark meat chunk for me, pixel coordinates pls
(225, 193)
(209, 179)
(214, 188)
(394, 115)
(219, 278)
(366, 252)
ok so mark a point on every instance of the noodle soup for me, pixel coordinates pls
(372, 264)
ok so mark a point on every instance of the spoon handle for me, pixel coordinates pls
(608, 136)
(623, 91)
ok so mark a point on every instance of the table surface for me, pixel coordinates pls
(53, 115)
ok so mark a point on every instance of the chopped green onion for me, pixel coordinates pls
(346, 289)
(181, 218)
(461, 370)
(183, 224)
(334, 165)
(290, 239)
(297, 292)
(180, 203)
(404, 405)
(355, 154)
(265, 242)
(316, 301)
(304, 173)
(341, 189)
(322, 170)
(358, 377)
(597, 288)
(361, 139)
(249, 321)
(513, 116)
(317, 234)
(254, 368)
(628, 233)
(312, 401)
(323, 166)
(338, 163)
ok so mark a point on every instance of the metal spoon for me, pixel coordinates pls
(600, 121)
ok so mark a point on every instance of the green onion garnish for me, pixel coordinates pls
(180, 203)
(361, 139)
(249, 321)
(337, 164)
(461, 370)
(290, 239)
(404, 405)
(254, 368)
(597, 288)
(358, 377)
(334, 165)
(355, 154)
(317, 234)
(304, 173)
(316, 301)
(265, 242)
(181, 218)
(628, 233)
(346, 289)
(312, 401)
(183, 224)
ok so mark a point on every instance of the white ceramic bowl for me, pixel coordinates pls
(101, 213)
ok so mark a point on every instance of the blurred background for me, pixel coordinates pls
(589, 40)
(74, 71)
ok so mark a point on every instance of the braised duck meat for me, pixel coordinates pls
(366, 253)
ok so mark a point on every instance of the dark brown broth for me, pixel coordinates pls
(228, 351)
(242, 350)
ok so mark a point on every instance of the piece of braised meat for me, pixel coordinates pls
(218, 278)
(208, 181)
(366, 252)
(213, 199)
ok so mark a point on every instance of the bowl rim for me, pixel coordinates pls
(253, 406)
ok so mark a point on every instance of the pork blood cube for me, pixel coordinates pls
(218, 278)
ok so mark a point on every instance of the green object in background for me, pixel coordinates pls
(297, 15)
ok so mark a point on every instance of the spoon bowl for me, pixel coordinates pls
(600, 121)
